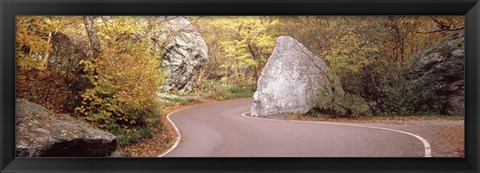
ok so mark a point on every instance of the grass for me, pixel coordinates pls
(235, 91)
(128, 136)
(183, 101)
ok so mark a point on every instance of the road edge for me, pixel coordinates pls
(177, 131)
(426, 144)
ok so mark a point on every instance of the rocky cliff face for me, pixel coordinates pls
(293, 81)
(184, 54)
(442, 65)
(42, 133)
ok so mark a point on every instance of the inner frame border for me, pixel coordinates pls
(12, 8)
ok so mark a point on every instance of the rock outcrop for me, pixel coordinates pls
(65, 55)
(42, 133)
(442, 65)
(184, 54)
(293, 81)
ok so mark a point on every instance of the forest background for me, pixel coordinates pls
(114, 84)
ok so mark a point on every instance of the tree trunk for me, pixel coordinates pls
(48, 54)
(199, 77)
(92, 35)
(256, 59)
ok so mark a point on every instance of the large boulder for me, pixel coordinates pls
(42, 133)
(184, 53)
(294, 80)
(65, 55)
(442, 66)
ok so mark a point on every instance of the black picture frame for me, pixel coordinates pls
(11, 8)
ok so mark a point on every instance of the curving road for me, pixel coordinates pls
(219, 130)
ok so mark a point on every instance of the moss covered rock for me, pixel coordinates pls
(442, 65)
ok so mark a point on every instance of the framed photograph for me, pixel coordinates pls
(239, 86)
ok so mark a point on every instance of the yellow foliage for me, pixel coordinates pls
(243, 42)
(31, 41)
(32, 36)
(126, 78)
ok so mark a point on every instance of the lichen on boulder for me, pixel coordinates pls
(294, 80)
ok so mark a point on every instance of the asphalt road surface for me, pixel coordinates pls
(220, 130)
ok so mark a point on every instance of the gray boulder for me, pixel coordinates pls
(442, 65)
(294, 80)
(184, 53)
(42, 133)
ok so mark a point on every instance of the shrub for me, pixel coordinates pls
(355, 104)
(410, 98)
(394, 94)
(210, 86)
(122, 99)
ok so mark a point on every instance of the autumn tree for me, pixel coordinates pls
(92, 35)
(239, 46)
(32, 41)
(124, 75)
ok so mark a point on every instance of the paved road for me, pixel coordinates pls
(219, 130)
